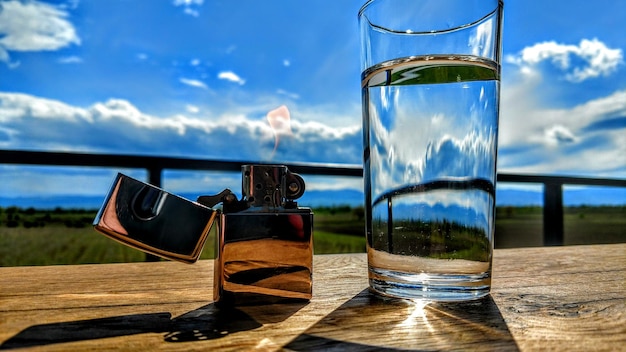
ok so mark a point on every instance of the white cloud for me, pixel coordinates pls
(69, 4)
(190, 6)
(70, 60)
(117, 126)
(192, 109)
(320, 183)
(286, 63)
(597, 59)
(288, 94)
(522, 122)
(191, 12)
(193, 83)
(444, 157)
(188, 2)
(231, 76)
(4, 57)
(194, 62)
(559, 134)
(34, 26)
(482, 41)
(558, 140)
(552, 136)
(14, 106)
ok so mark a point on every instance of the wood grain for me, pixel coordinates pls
(549, 298)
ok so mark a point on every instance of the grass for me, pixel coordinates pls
(51, 237)
(55, 244)
(523, 226)
(327, 243)
(65, 236)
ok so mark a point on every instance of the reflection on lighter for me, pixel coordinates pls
(264, 242)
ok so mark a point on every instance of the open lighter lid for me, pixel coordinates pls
(154, 221)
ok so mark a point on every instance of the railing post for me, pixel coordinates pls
(553, 214)
(154, 178)
(390, 225)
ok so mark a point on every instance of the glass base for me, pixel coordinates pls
(431, 287)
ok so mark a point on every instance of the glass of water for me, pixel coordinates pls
(430, 87)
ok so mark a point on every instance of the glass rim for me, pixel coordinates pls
(361, 15)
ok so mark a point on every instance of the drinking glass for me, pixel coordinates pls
(430, 92)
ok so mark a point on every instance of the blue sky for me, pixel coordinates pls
(198, 78)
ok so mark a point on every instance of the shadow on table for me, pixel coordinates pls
(369, 323)
(205, 323)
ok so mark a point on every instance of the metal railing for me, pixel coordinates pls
(552, 194)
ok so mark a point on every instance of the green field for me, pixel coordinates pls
(65, 236)
(523, 226)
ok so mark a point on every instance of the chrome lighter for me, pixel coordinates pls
(264, 246)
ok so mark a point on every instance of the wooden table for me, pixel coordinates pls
(550, 298)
